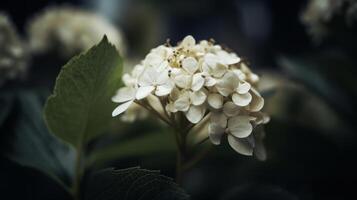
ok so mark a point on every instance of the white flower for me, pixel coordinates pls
(230, 84)
(188, 43)
(153, 80)
(226, 58)
(238, 123)
(198, 81)
(131, 79)
(186, 77)
(13, 53)
(238, 127)
(228, 120)
(71, 30)
(191, 102)
(212, 69)
(126, 97)
(158, 58)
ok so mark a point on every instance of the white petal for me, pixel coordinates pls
(228, 58)
(206, 68)
(259, 151)
(197, 82)
(240, 126)
(210, 59)
(219, 70)
(137, 70)
(257, 102)
(175, 94)
(188, 42)
(243, 88)
(170, 107)
(215, 133)
(209, 81)
(153, 60)
(219, 119)
(241, 146)
(129, 80)
(162, 90)
(260, 118)
(253, 78)
(182, 103)
(242, 99)
(227, 84)
(230, 109)
(195, 114)
(124, 94)
(190, 65)
(215, 100)
(176, 71)
(240, 74)
(144, 91)
(121, 108)
(163, 66)
(183, 81)
(198, 97)
(162, 78)
(155, 103)
(148, 77)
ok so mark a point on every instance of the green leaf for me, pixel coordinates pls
(131, 184)
(30, 144)
(145, 145)
(6, 102)
(27, 183)
(80, 107)
(327, 75)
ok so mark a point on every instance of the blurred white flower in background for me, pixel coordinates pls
(195, 81)
(13, 55)
(319, 14)
(71, 30)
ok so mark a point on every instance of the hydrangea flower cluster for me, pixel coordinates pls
(318, 16)
(71, 30)
(13, 53)
(186, 83)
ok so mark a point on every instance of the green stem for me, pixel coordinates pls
(182, 163)
(181, 148)
(197, 158)
(78, 173)
(179, 169)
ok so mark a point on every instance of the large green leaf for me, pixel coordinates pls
(80, 107)
(28, 141)
(132, 184)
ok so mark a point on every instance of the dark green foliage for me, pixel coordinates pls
(28, 140)
(132, 184)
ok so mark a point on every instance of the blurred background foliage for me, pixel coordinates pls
(304, 51)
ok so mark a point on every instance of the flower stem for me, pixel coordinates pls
(197, 158)
(179, 168)
(78, 173)
(181, 148)
(182, 162)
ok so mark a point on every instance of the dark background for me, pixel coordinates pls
(311, 139)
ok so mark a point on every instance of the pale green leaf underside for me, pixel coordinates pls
(80, 107)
